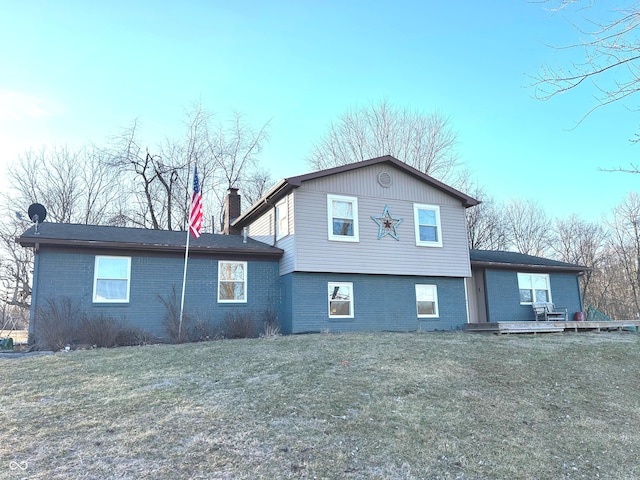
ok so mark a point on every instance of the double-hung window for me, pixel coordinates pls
(232, 282)
(534, 287)
(340, 300)
(427, 224)
(111, 279)
(342, 215)
(427, 301)
(282, 219)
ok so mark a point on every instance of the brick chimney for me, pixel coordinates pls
(231, 211)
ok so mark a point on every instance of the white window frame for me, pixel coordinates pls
(434, 290)
(282, 217)
(354, 207)
(522, 285)
(416, 217)
(330, 287)
(244, 281)
(97, 278)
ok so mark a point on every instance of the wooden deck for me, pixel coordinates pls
(551, 327)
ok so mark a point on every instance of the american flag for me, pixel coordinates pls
(195, 214)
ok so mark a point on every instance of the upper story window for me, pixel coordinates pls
(342, 215)
(427, 224)
(282, 219)
(340, 299)
(232, 282)
(111, 277)
(427, 301)
(534, 287)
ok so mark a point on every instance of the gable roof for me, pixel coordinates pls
(142, 239)
(286, 185)
(514, 261)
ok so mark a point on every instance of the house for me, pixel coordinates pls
(123, 272)
(371, 246)
(504, 285)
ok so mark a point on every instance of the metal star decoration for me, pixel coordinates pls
(387, 224)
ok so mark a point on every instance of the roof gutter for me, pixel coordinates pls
(148, 247)
(525, 266)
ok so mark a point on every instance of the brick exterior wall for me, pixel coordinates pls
(381, 303)
(71, 275)
(503, 295)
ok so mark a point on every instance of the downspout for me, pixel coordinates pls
(580, 291)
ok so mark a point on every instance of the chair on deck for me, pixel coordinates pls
(548, 312)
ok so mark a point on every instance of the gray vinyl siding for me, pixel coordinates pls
(315, 253)
(263, 229)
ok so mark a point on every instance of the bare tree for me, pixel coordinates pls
(15, 263)
(74, 186)
(582, 243)
(486, 229)
(425, 141)
(155, 178)
(528, 227)
(234, 147)
(625, 243)
(607, 56)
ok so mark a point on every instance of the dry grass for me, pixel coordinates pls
(374, 406)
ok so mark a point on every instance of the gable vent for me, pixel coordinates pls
(384, 179)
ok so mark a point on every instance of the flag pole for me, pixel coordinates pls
(194, 226)
(184, 283)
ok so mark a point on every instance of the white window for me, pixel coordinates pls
(282, 219)
(111, 279)
(342, 218)
(427, 301)
(427, 222)
(232, 282)
(534, 287)
(340, 300)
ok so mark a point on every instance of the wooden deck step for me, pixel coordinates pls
(551, 327)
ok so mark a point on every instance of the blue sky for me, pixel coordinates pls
(75, 72)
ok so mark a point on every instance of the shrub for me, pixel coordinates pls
(202, 330)
(56, 324)
(134, 336)
(171, 321)
(239, 324)
(270, 327)
(100, 331)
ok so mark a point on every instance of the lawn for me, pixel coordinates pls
(335, 406)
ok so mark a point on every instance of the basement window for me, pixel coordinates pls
(340, 300)
(427, 301)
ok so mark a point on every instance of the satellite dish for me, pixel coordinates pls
(37, 214)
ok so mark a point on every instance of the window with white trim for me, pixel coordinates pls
(427, 225)
(342, 213)
(232, 282)
(340, 300)
(427, 301)
(534, 287)
(111, 279)
(282, 219)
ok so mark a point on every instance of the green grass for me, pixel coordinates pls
(351, 406)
